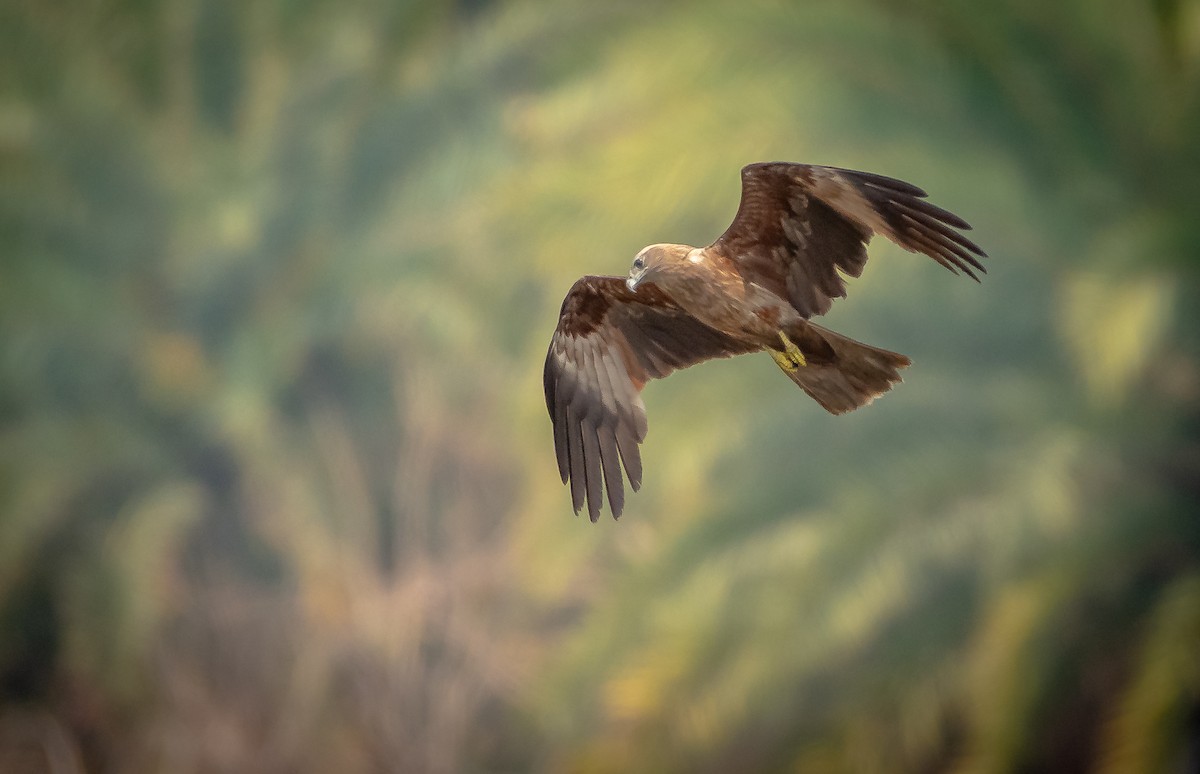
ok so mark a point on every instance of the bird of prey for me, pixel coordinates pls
(798, 229)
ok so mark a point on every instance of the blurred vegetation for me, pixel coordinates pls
(277, 490)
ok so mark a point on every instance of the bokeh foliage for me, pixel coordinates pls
(276, 485)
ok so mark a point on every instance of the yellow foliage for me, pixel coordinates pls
(1114, 326)
(1150, 728)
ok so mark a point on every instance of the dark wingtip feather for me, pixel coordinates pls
(576, 460)
(921, 242)
(885, 182)
(940, 229)
(937, 212)
(611, 464)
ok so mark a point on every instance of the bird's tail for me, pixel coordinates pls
(840, 373)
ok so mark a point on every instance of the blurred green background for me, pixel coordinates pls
(277, 485)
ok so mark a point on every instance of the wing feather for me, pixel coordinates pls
(591, 471)
(920, 224)
(933, 224)
(631, 455)
(609, 460)
(608, 344)
(800, 227)
(932, 241)
(561, 449)
(578, 477)
(930, 248)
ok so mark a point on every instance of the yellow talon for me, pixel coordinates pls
(794, 355)
(784, 362)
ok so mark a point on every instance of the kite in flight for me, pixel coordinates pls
(754, 289)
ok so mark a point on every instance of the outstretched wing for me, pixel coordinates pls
(798, 225)
(608, 344)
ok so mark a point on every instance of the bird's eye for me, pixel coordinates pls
(639, 263)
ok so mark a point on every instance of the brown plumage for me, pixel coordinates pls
(798, 229)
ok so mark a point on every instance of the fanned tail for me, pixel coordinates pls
(843, 374)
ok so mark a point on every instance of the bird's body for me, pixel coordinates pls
(798, 229)
(721, 296)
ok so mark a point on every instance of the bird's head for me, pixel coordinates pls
(653, 263)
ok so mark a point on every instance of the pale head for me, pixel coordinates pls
(654, 261)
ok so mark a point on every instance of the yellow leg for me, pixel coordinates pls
(791, 354)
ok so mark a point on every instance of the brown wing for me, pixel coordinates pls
(608, 344)
(798, 225)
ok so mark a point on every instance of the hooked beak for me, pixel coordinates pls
(632, 283)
